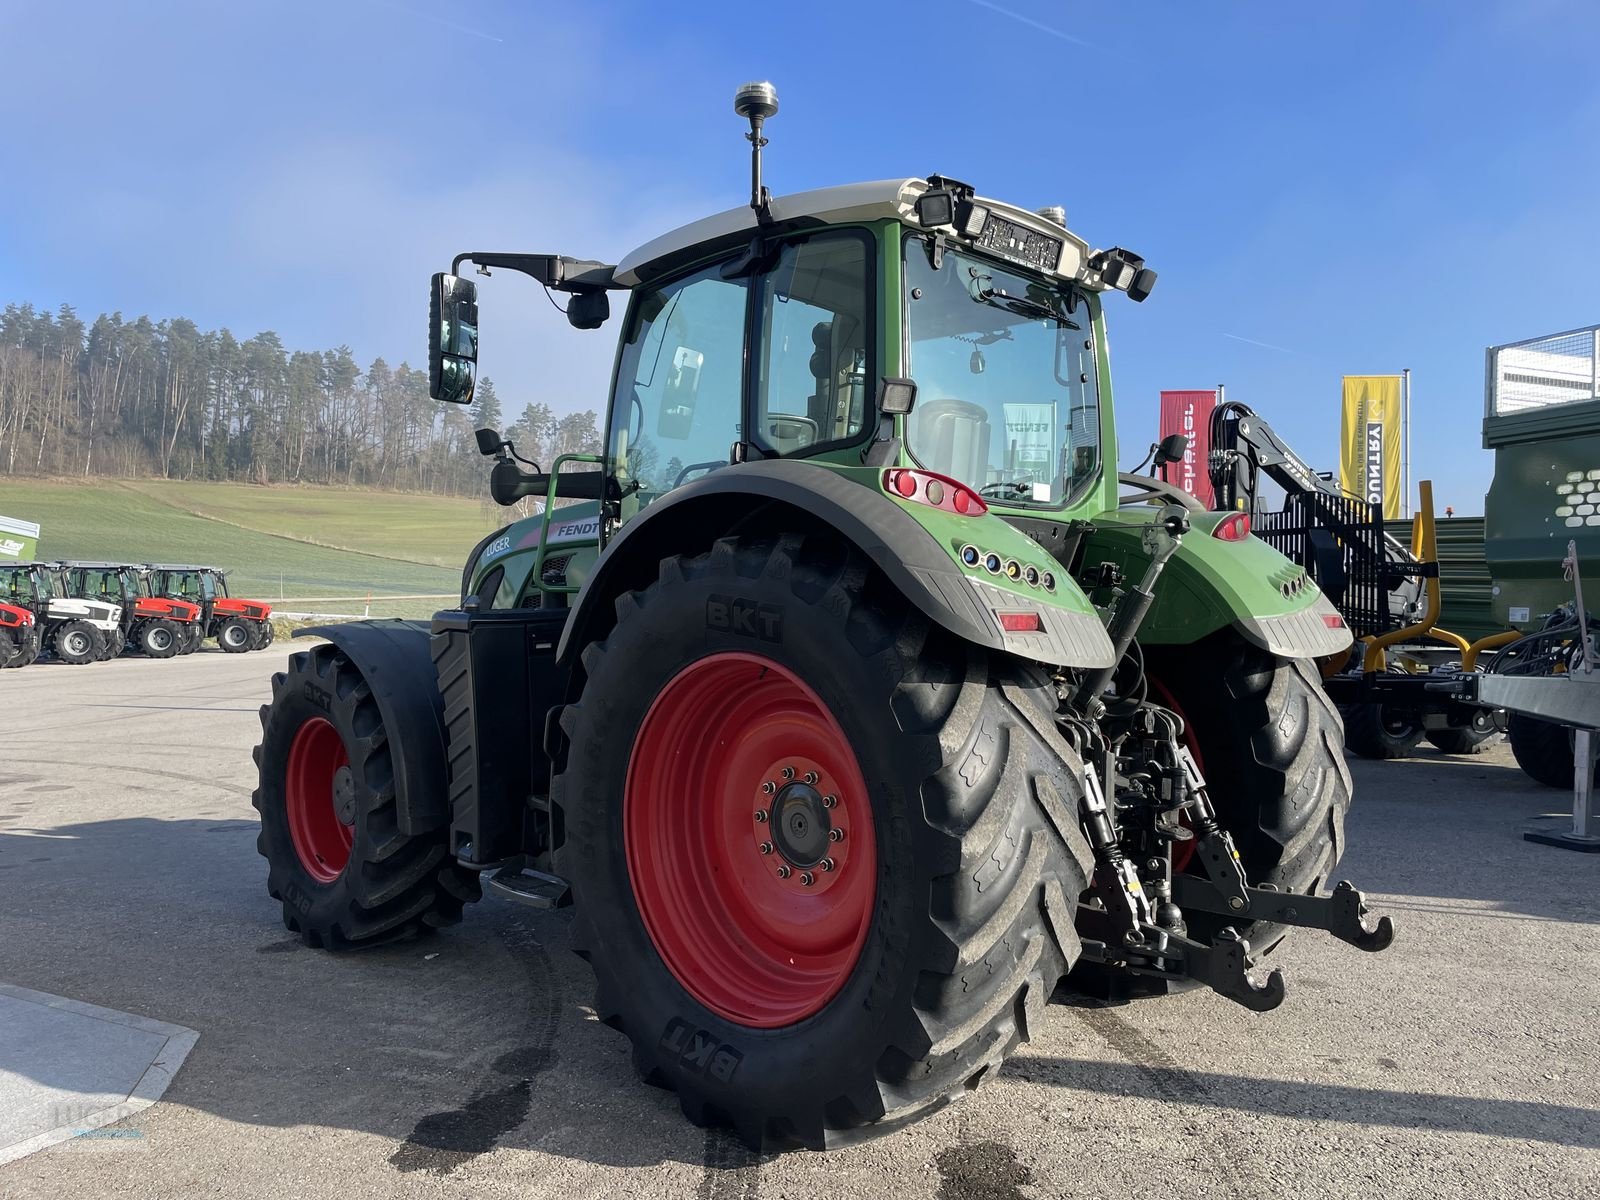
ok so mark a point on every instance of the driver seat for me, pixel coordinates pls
(952, 438)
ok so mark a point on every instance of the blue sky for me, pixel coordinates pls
(1352, 188)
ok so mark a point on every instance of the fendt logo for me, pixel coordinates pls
(699, 1051)
(588, 528)
(731, 614)
(1374, 462)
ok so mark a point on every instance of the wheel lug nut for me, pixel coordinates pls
(766, 847)
(761, 816)
(829, 801)
(788, 772)
(836, 835)
(769, 787)
(826, 864)
(811, 776)
(783, 871)
(807, 878)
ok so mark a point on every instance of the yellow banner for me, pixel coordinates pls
(1369, 441)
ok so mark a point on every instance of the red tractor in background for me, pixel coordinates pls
(238, 625)
(19, 636)
(155, 626)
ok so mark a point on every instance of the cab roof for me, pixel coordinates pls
(883, 199)
(182, 567)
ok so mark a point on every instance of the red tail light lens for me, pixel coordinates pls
(936, 491)
(1333, 620)
(1234, 527)
(1020, 622)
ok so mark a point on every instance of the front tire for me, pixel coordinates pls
(77, 643)
(234, 635)
(159, 638)
(190, 637)
(741, 682)
(330, 833)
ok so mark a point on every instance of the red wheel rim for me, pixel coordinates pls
(316, 759)
(741, 788)
(1182, 852)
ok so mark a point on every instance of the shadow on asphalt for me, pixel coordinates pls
(1468, 814)
(453, 1045)
(1556, 1124)
(481, 1038)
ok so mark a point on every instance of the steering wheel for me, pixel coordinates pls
(702, 466)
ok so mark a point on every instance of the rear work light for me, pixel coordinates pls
(1234, 527)
(936, 491)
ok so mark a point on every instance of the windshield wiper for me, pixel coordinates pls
(1023, 306)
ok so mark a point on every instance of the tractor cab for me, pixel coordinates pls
(906, 329)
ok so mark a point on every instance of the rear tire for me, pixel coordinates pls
(234, 636)
(976, 859)
(78, 642)
(159, 638)
(1378, 732)
(336, 858)
(1272, 750)
(1543, 750)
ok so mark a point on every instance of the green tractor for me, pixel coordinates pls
(857, 702)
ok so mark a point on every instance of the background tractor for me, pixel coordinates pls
(238, 625)
(154, 626)
(858, 700)
(76, 631)
(19, 636)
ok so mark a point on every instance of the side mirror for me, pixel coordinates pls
(489, 442)
(1172, 449)
(452, 338)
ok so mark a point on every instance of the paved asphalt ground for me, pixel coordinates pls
(1465, 1061)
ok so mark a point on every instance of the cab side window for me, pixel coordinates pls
(676, 412)
(816, 338)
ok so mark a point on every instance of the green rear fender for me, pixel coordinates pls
(917, 548)
(1210, 584)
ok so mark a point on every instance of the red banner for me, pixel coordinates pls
(1189, 413)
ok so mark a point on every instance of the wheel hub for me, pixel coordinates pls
(344, 795)
(800, 825)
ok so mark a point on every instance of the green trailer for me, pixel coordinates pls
(1542, 421)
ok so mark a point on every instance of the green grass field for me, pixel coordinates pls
(299, 543)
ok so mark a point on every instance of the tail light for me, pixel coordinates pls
(1234, 527)
(936, 491)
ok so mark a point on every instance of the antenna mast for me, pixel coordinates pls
(756, 102)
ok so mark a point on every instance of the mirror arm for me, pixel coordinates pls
(552, 270)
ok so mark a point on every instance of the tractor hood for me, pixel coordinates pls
(173, 610)
(252, 610)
